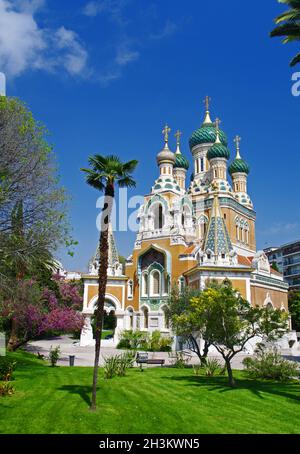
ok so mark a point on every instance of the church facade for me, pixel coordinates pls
(189, 233)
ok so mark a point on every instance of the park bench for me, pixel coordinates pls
(142, 358)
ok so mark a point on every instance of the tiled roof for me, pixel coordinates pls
(246, 261)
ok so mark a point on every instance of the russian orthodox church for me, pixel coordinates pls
(189, 233)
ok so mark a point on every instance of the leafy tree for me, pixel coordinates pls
(104, 173)
(32, 204)
(184, 323)
(227, 321)
(294, 308)
(288, 25)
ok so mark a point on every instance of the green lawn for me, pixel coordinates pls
(158, 400)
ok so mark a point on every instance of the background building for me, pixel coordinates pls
(287, 259)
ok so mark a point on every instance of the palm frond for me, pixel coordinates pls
(295, 60)
(292, 15)
(291, 3)
(126, 182)
(130, 166)
(289, 29)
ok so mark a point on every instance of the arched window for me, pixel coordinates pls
(166, 317)
(130, 289)
(197, 166)
(158, 216)
(181, 284)
(155, 283)
(202, 164)
(166, 284)
(145, 289)
(130, 318)
(145, 317)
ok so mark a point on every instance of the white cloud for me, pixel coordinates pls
(169, 29)
(125, 55)
(75, 56)
(113, 8)
(26, 46)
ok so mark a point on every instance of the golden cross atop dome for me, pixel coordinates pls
(206, 102)
(218, 122)
(237, 141)
(177, 135)
(166, 131)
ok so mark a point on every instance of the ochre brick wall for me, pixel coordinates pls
(259, 294)
(178, 266)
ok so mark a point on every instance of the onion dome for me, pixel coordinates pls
(181, 162)
(207, 132)
(238, 165)
(166, 155)
(218, 150)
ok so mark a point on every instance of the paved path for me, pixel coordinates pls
(84, 356)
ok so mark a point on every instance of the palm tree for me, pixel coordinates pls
(288, 24)
(104, 173)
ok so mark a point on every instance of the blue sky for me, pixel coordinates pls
(105, 76)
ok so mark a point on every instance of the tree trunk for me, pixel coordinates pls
(205, 353)
(13, 342)
(102, 281)
(194, 347)
(229, 372)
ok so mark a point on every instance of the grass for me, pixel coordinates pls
(158, 400)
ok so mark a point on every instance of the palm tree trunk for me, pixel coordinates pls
(102, 281)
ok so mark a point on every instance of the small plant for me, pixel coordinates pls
(270, 365)
(197, 369)
(211, 366)
(54, 355)
(7, 368)
(111, 364)
(118, 364)
(6, 389)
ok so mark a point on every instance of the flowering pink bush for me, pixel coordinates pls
(33, 312)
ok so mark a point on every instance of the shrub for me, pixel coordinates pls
(133, 340)
(180, 361)
(211, 366)
(197, 369)
(7, 368)
(54, 355)
(270, 365)
(6, 389)
(111, 365)
(118, 364)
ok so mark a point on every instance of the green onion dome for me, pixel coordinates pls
(218, 150)
(206, 134)
(239, 166)
(181, 162)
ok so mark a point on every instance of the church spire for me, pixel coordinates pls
(217, 122)
(207, 119)
(237, 143)
(178, 135)
(217, 240)
(166, 131)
